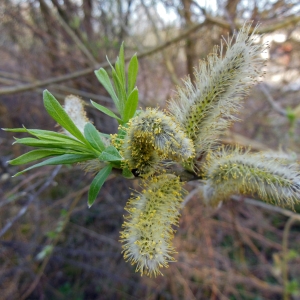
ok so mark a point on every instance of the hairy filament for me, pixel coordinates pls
(151, 137)
(237, 172)
(74, 107)
(221, 83)
(147, 230)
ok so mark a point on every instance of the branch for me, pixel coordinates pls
(267, 206)
(293, 20)
(66, 89)
(86, 71)
(89, 70)
(75, 38)
(31, 199)
(264, 88)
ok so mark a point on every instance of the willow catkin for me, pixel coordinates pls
(74, 107)
(147, 230)
(153, 136)
(203, 110)
(235, 171)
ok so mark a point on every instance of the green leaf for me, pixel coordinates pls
(35, 155)
(110, 154)
(105, 135)
(15, 129)
(127, 173)
(46, 135)
(60, 160)
(121, 91)
(54, 136)
(106, 111)
(33, 142)
(97, 184)
(131, 105)
(120, 66)
(105, 81)
(93, 137)
(133, 69)
(56, 111)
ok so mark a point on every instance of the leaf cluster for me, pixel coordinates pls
(89, 144)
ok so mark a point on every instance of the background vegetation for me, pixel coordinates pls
(51, 245)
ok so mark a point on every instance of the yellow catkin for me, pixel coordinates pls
(147, 230)
(209, 106)
(153, 136)
(237, 171)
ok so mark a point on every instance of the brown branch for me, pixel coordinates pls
(286, 231)
(89, 70)
(26, 87)
(58, 87)
(31, 199)
(292, 20)
(76, 39)
(40, 272)
(267, 206)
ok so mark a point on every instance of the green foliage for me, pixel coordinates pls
(55, 110)
(123, 92)
(93, 137)
(88, 144)
(97, 184)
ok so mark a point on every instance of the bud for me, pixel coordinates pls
(74, 107)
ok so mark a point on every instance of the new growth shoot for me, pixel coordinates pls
(149, 142)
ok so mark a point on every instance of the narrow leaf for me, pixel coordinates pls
(33, 142)
(97, 183)
(110, 154)
(131, 105)
(93, 137)
(60, 160)
(121, 66)
(106, 111)
(56, 111)
(46, 134)
(105, 81)
(54, 136)
(121, 91)
(133, 69)
(35, 155)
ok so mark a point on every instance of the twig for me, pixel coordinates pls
(190, 196)
(75, 38)
(86, 71)
(286, 231)
(46, 260)
(293, 20)
(66, 89)
(55, 241)
(89, 70)
(31, 199)
(267, 206)
(168, 63)
(270, 99)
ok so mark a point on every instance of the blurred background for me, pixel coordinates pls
(51, 245)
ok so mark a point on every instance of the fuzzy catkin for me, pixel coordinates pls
(234, 171)
(207, 108)
(151, 137)
(147, 230)
(74, 107)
